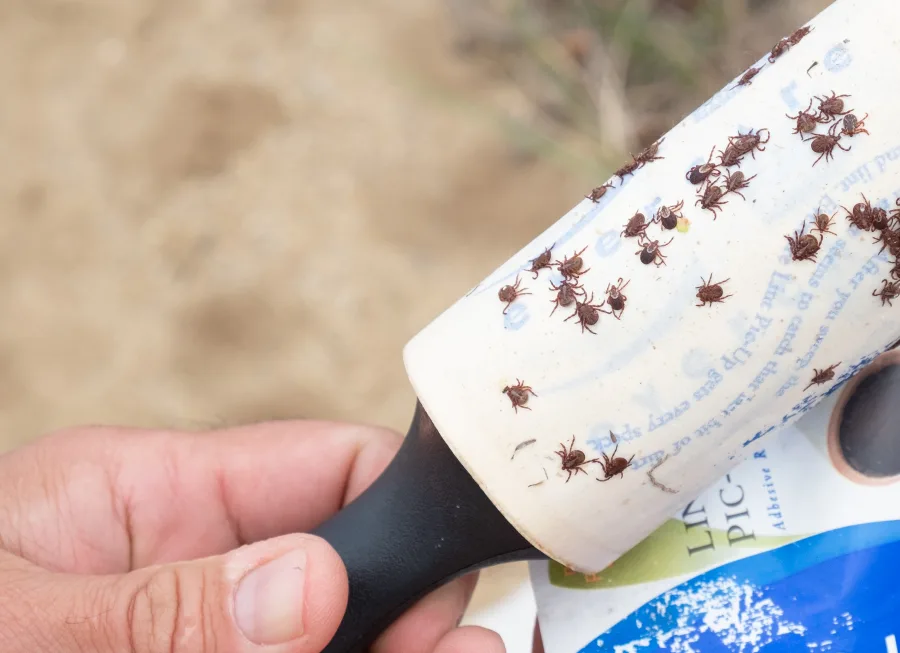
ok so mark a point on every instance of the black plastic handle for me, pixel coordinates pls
(423, 522)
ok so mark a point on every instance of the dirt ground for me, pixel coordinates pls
(215, 213)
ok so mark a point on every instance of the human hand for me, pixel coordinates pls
(118, 540)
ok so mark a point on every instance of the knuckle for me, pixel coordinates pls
(161, 617)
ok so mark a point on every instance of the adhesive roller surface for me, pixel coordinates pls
(736, 312)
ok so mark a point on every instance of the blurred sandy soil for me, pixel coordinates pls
(218, 212)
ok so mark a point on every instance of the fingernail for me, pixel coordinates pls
(268, 604)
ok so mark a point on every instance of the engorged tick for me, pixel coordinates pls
(824, 144)
(889, 291)
(711, 200)
(804, 247)
(667, 216)
(651, 251)
(588, 313)
(711, 293)
(636, 226)
(509, 294)
(736, 181)
(573, 460)
(821, 376)
(613, 466)
(747, 77)
(571, 268)
(518, 394)
(853, 125)
(832, 106)
(615, 299)
(566, 293)
(701, 172)
(597, 193)
(779, 49)
(823, 223)
(806, 121)
(540, 262)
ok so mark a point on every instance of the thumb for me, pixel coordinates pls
(284, 595)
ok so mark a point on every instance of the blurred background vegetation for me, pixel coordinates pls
(220, 212)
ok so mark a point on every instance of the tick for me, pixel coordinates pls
(649, 154)
(747, 78)
(566, 293)
(750, 142)
(853, 125)
(597, 193)
(627, 169)
(711, 200)
(889, 291)
(701, 172)
(779, 49)
(572, 268)
(511, 293)
(804, 247)
(806, 121)
(518, 394)
(540, 262)
(798, 35)
(731, 156)
(711, 293)
(823, 223)
(667, 216)
(824, 144)
(588, 313)
(861, 216)
(573, 460)
(736, 181)
(821, 376)
(613, 466)
(615, 299)
(832, 106)
(651, 252)
(890, 240)
(636, 226)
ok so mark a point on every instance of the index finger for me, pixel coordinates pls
(117, 499)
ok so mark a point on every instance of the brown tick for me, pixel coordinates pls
(615, 299)
(736, 181)
(573, 460)
(832, 106)
(518, 394)
(509, 294)
(627, 169)
(566, 293)
(853, 125)
(749, 142)
(613, 466)
(821, 376)
(747, 77)
(651, 251)
(540, 262)
(711, 293)
(649, 154)
(861, 216)
(588, 313)
(823, 223)
(730, 157)
(798, 35)
(890, 240)
(572, 268)
(711, 200)
(700, 173)
(889, 291)
(806, 121)
(597, 193)
(636, 226)
(804, 247)
(667, 216)
(780, 48)
(824, 144)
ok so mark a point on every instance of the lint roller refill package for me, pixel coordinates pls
(716, 289)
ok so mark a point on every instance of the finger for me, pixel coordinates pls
(471, 639)
(422, 626)
(285, 595)
(105, 500)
